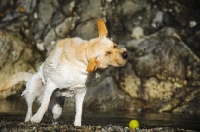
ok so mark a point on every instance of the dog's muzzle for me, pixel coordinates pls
(125, 55)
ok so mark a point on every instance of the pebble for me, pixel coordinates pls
(8, 126)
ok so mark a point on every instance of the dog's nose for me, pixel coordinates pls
(125, 55)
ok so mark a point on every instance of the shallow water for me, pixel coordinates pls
(16, 110)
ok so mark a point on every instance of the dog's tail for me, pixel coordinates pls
(16, 78)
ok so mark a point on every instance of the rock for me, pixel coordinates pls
(106, 93)
(180, 12)
(86, 26)
(137, 33)
(129, 7)
(15, 57)
(85, 10)
(160, 63)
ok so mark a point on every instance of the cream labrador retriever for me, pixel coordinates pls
(68, 71)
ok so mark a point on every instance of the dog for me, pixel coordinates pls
(68, 71)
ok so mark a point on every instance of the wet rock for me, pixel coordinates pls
(15, 57)
(106, 91)
(91, 28)
(129, 7)
(85, 9)
(161, 71)
(180, 12)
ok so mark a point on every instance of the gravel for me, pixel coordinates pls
(16, 126)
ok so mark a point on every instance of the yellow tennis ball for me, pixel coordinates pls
(134, 124)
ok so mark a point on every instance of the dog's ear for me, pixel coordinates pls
(92, 65)
(102, 30)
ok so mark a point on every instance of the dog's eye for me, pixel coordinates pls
(115, 46)
(108, 52)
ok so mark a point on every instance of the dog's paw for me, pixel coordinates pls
(77, 123)
(28, 117)
(36, 118)
(27, 120)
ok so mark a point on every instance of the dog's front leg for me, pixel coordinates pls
(49, 88)
(79, 106)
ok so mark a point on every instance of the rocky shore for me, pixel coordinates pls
(15, 126)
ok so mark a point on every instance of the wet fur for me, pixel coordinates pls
(68, 72)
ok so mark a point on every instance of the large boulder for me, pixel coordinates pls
(162, 75)
(166, 73)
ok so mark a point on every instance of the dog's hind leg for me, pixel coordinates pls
(29, 105)
(48, 90)
(56, 105)
(34, 90)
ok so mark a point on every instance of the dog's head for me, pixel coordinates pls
(102, 52)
